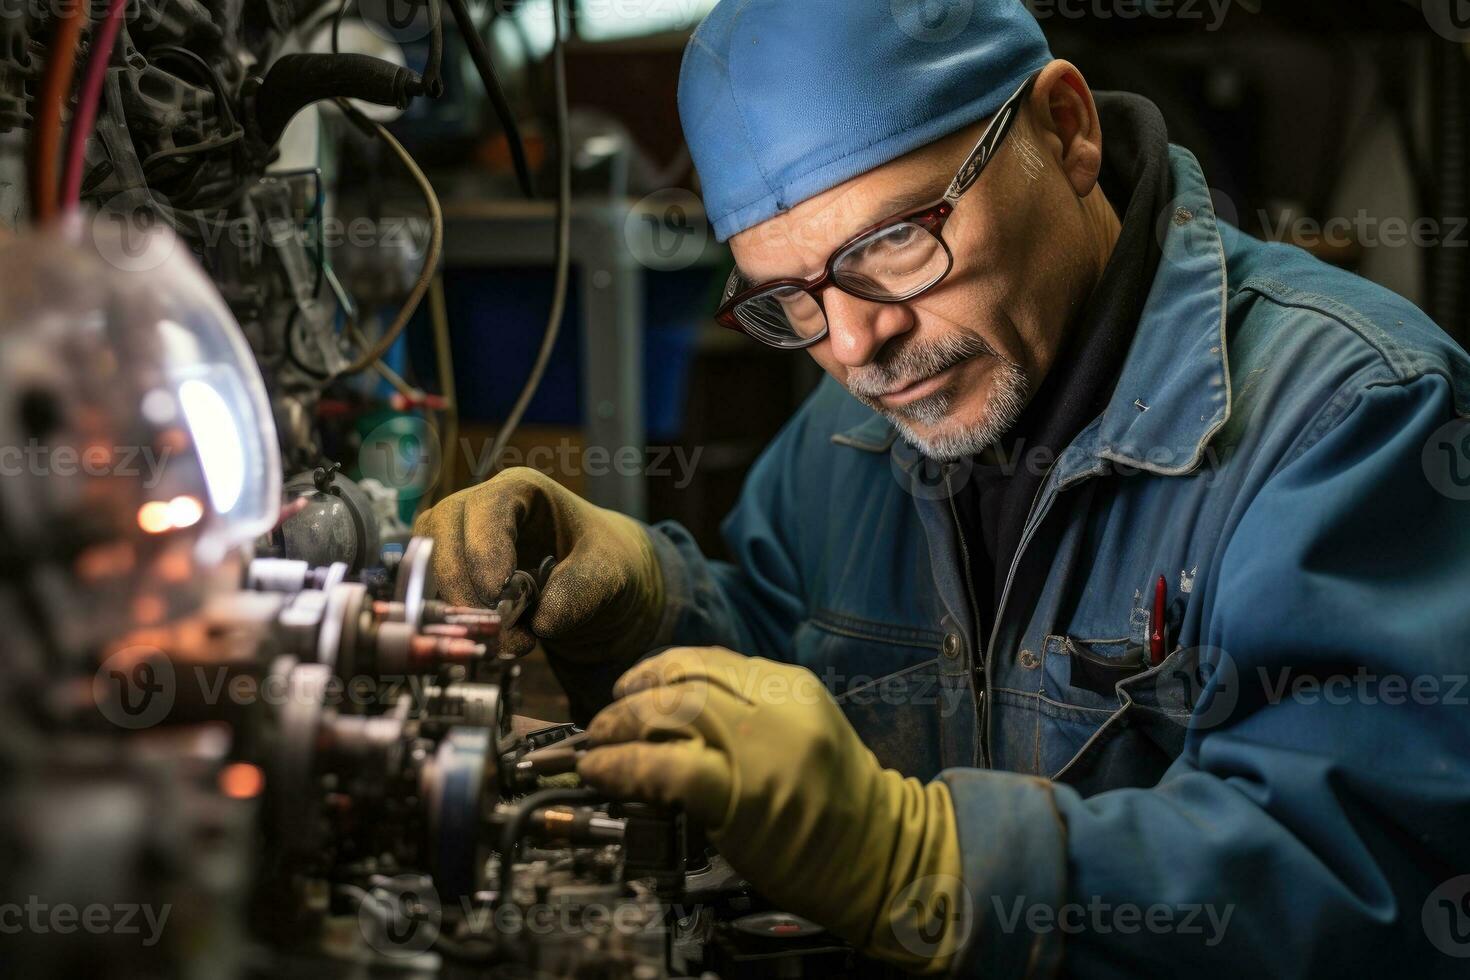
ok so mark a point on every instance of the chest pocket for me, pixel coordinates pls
(1080, 700)
(1088, 671)
(1106, 716)
(1054, 696)
(886, 678)
(1093, 686)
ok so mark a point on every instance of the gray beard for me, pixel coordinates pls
(912, 364)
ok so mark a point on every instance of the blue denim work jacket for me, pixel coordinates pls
(1288, 447)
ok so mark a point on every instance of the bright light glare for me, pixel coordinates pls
(599, 20)
(217, 439)
(185, 511)
(153, 517)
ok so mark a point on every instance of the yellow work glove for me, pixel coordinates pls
(602, 603)
(760, 755)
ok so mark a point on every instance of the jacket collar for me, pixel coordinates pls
(1174, 391)
(874, 435)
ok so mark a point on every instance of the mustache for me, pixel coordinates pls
(915, 362)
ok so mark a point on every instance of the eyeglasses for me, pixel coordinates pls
(894, 261)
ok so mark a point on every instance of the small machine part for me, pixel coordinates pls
(521, 591)
(416, 580)
(338, 523)
(655, 847)
(290, 575)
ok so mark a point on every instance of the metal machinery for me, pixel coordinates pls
(284, 767)
(240, 735)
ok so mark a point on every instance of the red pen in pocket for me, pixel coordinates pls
(1157, 626)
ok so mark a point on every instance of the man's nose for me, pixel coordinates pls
(858, 328)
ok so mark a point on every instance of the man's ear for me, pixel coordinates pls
(1065, 116)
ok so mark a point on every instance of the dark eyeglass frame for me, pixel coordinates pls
(932, 218)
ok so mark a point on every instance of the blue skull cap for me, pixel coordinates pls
(784, 99)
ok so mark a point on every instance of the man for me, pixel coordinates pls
(1118, 537)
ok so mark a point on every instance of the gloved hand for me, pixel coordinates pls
(760, 754)
(602, 603)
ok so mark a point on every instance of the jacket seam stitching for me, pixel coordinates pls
(917, 641)
(1222, 335)
(834, 616)
(1353, 319)
(1034, 696)
(901, 672)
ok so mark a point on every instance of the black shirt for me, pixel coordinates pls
(996, 499)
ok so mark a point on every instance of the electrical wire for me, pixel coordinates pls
(344, 302)
(179, 152)
(211, 78)
(433, 77)
(410, 394)
(232, 132)
(91, 97)
(337, 26)
(563, 251)
(319, 214)
(46, 134)
(444, 364)
(480, 55)
(431, 254)
(394, 379)
(515, 825)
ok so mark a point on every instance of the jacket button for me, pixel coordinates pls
(1029, 660)
(951, 645)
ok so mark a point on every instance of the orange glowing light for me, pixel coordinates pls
(154, 517)
(176, 566)
(241, 781)
(149, 610)
(105, 561)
